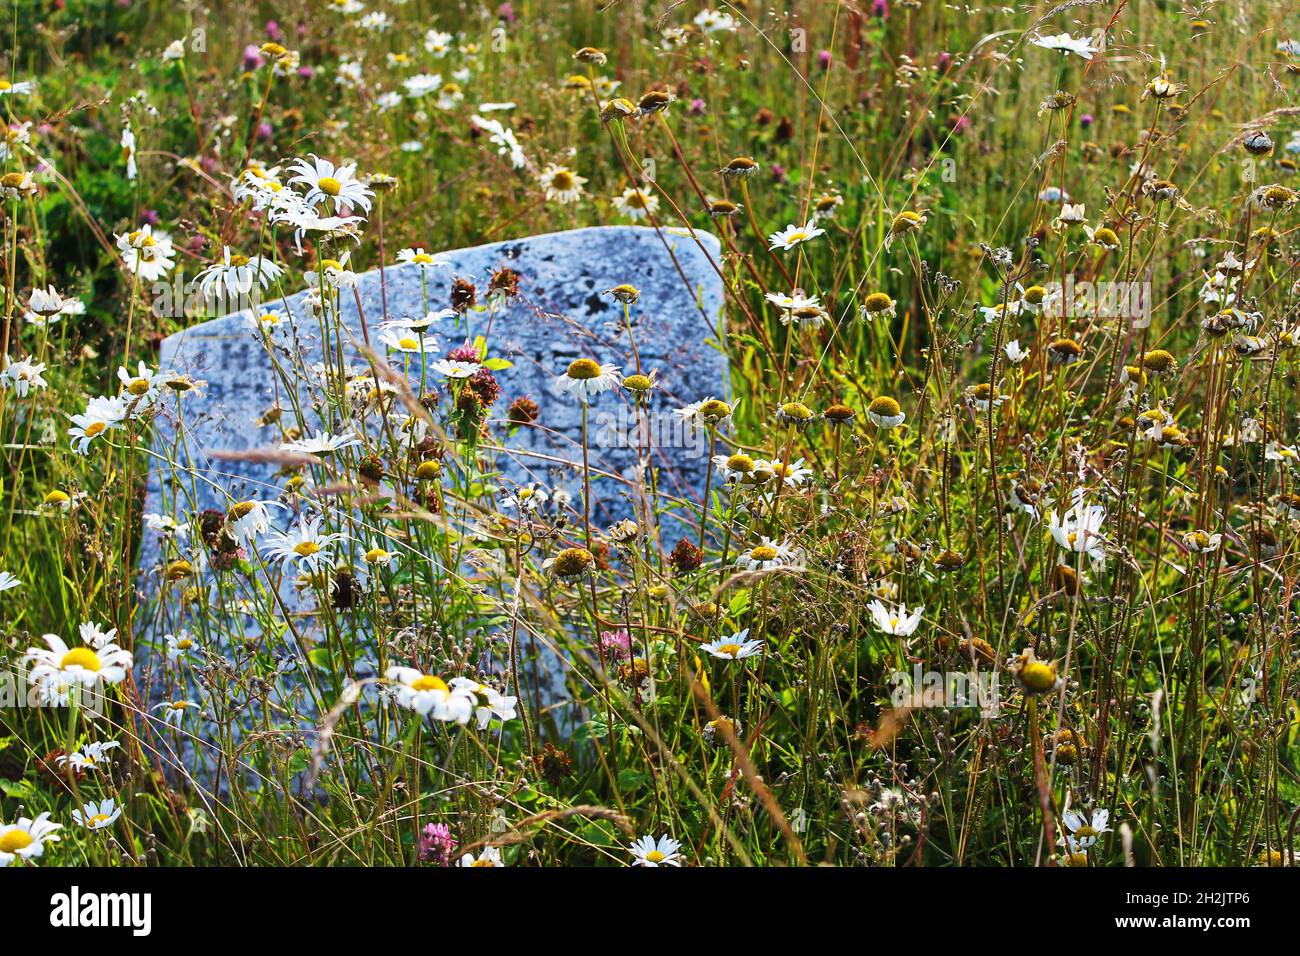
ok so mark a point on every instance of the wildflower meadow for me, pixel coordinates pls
(953, 524)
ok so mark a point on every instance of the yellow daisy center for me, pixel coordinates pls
(306, 548)
(654, 856)
(428, 682)
(763, 553)
(14, 840)
(723, 649)
(82, 657)
(884, 406)
(409, 342)
(330, 186)
(584, 369)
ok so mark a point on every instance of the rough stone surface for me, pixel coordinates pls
(561, 314)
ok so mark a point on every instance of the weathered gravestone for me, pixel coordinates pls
(562, 312)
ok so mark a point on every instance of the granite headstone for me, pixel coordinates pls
(562, 311)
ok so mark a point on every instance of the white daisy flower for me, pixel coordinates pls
(46, 302)
(452, 368)
(765, 556)
(141, 389)
(422, 84)
(791, 236)
(895, 620)
(490, 856)
(418, 323)
(733, 648)
(1015, 354)
(1064, 43)
(793, 474)
(60, 669)
(586, 377)
(98, 816)
(128, 153)
(90, 757)
(27, 837)
(305, 544)
(636, 204)
(322, 443)
(647, 851)
(166, 525)
(408, 340)
(248, 519)
(23, 185)
(22, 88)
(438, 43)
(1072, 214)
(259, 183)
(8, 582)
(715, 21)
(13, 136)
(237, 274)
(23, 375)
(562, 184)
(430, 695)
(1079, 529)
(527, 500)
(504, 139)
(1202, 542)
(95, 635)
(419, 257)
(488, 702)
(330, 183)
(147, 254)
(795, 300)
(707, 412)
(174, 711)
(885, 412)
(450, 96)
(304, 220)
(1080, 832)
(179, 645)
(103, 413)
